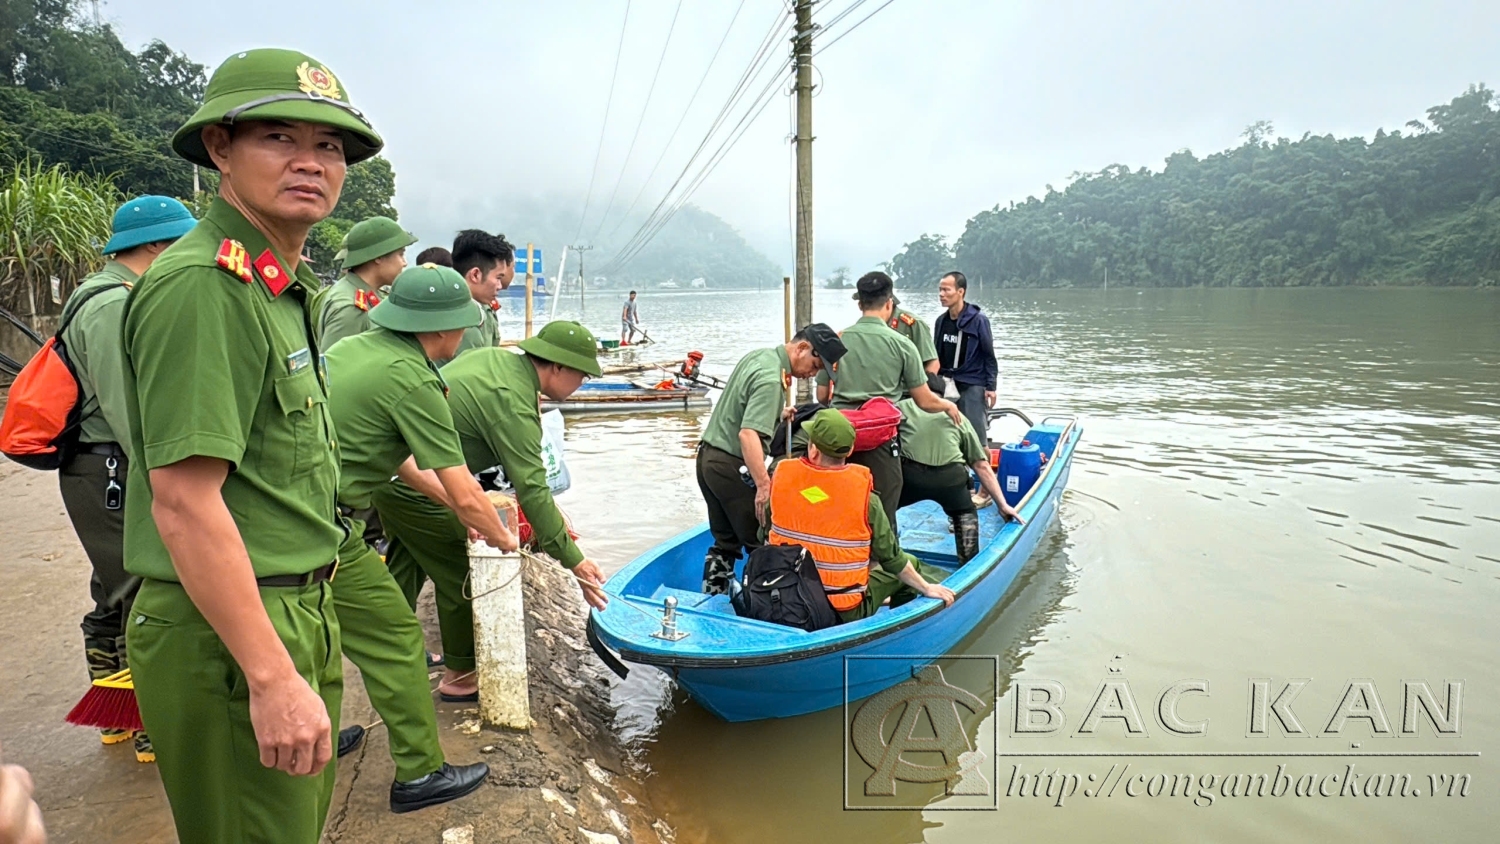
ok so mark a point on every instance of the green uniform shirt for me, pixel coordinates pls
(485, 335)
(885, 548)
(752, 399)
(339, 314)
(877, 362)
(911, 326)
(93, 342)
(217, 366)
(493, 395)
(933, 440)
(388, 403)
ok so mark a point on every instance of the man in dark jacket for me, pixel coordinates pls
(966, 351)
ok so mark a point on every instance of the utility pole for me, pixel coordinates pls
(580, 250)
(802, 59)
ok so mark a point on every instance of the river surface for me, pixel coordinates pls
(1272, 485)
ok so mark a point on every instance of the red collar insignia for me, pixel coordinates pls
(234, 259)
(494, 304)
(275, 278)
(365, 300)
(786, 379)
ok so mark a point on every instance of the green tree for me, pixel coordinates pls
(1412, 206)
(838, 280)
(922, 262)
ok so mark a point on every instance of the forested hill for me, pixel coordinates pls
(1420, 206)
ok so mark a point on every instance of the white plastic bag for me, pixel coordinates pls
(558, 479)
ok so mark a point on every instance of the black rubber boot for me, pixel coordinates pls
(717, 572)
(966, 536)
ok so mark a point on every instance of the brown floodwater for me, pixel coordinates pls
(1273, 485)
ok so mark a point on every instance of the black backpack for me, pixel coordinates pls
(781, 440)
(781, 585)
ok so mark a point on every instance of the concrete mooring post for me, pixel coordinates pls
(495, 580)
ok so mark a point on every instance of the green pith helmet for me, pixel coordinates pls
(427, 298)
(271, 84)
(831, 432)
(374, 238)
(567, 343)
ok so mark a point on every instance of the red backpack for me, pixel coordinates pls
(43, 412)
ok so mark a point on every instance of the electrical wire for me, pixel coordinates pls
(754, 111)
(841, 35)
(608, 102)
(694, 98)
(641, 121)
(762, 54)
(658, 216)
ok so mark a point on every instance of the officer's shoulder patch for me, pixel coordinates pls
(271, 273)
(908, 319)
(233, 259)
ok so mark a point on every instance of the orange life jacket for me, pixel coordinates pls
(826, 511)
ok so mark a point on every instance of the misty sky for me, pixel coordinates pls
(927, 114)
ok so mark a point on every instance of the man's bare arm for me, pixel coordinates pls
(290, 720)
(474, 508)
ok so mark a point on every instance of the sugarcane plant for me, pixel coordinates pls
(53, 221)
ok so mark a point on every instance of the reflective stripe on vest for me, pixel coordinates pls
(826, 511)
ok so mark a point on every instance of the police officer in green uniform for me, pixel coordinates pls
(231, 519)
(894, 574)
(911, 326)
(936, 457)
(375, 253)
(493, 397)
(732, 466)
(93, 481)
(488, 264)
(389, 405)
(880, 362)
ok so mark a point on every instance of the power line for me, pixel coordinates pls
(680, 120)
(641, 121)
(841, 35)
(757, 106)
(608, 101)
(758, 62)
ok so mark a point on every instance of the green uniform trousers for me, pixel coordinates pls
(382, 636)
(196, 705)
(84, 484)
(428, 541)
(884, 585)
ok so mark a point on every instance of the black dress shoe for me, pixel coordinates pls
(446, 783)
(349, 739)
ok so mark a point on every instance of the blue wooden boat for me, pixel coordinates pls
(744, 670)
(612, 396)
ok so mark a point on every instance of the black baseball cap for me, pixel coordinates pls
(874, 284)
(825, 342)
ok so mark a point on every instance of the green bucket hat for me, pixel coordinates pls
(566, 343)
(427, 298)
(269, 84)
(374, 238)
(831, 432)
